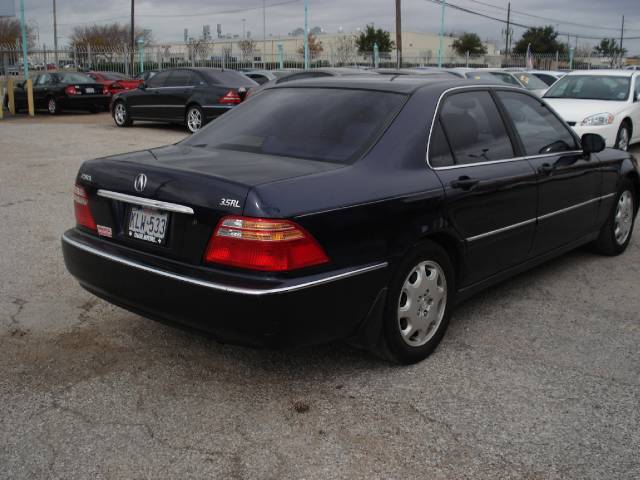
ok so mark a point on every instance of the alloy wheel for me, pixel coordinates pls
(623, 139)
(194, 120)
(52, 106)
(120, 114)
(422, 303)
(624, 217)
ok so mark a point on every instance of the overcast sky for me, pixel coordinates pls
(169, 18)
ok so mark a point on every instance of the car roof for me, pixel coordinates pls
(607, 72)
(387, 83)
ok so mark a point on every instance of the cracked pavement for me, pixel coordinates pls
(538, 378)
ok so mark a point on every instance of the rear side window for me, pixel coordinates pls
(475, 130)
(157, 80)
(539, 130)
(326, 124)
(439, 150)
(303, 76)
(179, 78)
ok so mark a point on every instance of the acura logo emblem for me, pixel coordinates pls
(140, 182)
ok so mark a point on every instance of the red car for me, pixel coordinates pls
(115, 82)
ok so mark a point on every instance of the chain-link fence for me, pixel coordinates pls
(121, 58)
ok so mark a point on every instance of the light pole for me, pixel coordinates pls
(264, 32)
(55, 34)
(440, 52)
(23, 28)
(306, 35)
(133, 36)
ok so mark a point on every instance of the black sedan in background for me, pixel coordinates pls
(57, 91)
(190, 96)
(347, 208)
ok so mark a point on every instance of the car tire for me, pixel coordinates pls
(194, 118)
(419, 304)
(616, 233)
(121, 115)
(53, 107)
(624, 136)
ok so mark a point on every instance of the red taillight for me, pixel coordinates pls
(81, 207)
(70, 90)
(230, 98)
(263, 244)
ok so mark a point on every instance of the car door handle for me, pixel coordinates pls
(545, 169)
(465, 183)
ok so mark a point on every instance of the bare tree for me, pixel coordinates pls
(345, 49)
(107, 35)
(315, 47)
(10, 33)
(247, 48)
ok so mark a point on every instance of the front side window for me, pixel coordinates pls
(539, 130)
(325, 124)
(594, 87)
(475, 130)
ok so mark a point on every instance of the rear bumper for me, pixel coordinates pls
(85, 102)
(214, 111)
(262, 312)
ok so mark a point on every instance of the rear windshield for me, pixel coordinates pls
(113, 76)
(229, 78)
(74, 78)
(332, 125)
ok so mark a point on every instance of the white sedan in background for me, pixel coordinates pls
(606, 102)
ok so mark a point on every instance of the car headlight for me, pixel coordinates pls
(598, 119)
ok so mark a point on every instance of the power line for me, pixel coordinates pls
(521, 25)
(200, 14)
(553, 20)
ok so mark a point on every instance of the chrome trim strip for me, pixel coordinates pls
(146, 202)
(500, 230)
(514, 159)
(573, 207)
(156, 106)
(219, 286)
(538, 219)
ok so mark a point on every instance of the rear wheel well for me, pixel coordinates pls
(635, 181)
(191, 104)
(452, 247)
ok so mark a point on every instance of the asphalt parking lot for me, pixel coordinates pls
(538, 378)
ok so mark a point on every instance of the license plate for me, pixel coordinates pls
(89, 90)
(148, 224)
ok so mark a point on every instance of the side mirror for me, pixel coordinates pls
(592, 143)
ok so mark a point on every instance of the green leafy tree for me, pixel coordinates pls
(608, 47)
(370, 36)
(469, 42)
(542, 40)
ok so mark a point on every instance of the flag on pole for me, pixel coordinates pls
(529, 58)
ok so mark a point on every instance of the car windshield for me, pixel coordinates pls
(488, 77)
(326, 124)
(75, 78)
(531, 82)
(591, 87)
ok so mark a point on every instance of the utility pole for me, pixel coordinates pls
(306, 34)
(440, 50)
(506, 45)
(398, 34)
(621, 38)
(264, 31)
(55, 33)
(133, 37)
